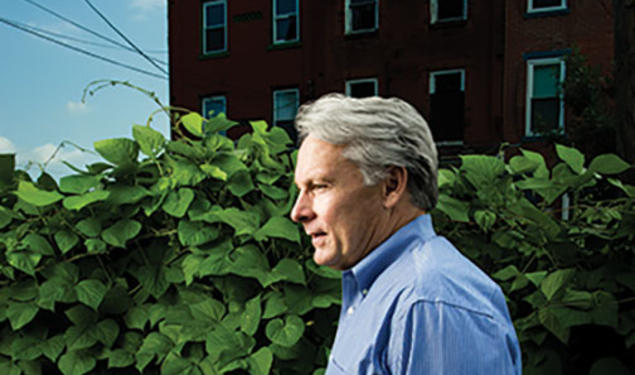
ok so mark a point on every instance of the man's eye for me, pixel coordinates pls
(319, 187)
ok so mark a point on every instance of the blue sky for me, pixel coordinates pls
(41, 83)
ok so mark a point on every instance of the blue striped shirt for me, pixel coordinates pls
(415, 305)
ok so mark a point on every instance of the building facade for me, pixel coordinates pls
(480, 72)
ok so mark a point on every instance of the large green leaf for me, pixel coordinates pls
(225, 344)
(120, 232)
(32, 195)
(24, 260)
(240, 183)
(53, 347)
(177, 202)
(250, 319)
(153, 279)
(90, 226)
(119, 151)
(21, 314)
(124, 194)
(38, 244)
(278, 227)
(76, 363)
(608, 164)
(287, 332)
(482, 170)
(193, 123)
(243, 222)
(571, 156)
(260, 362)
(65, 240)
(155, 344)
(455, 209)
(150, 141)
(77, 202)
(286, 270)
(555, 282)
(218, 123)
(78, 184)
(91, 292)
(194, 233)
(106, 332)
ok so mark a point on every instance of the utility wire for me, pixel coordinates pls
(124, 37)
(79, 40)
(3, 20)
(79, 26)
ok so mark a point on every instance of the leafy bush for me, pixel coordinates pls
(184, 262)
(181, 263)
(567, 269)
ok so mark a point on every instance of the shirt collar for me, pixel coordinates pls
(366, 271)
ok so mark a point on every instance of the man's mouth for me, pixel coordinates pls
(317, 236)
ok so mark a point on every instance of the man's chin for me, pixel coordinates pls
(324, 258)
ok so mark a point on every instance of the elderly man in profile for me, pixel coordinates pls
(411, 303)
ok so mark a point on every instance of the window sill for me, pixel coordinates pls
(214, 55)
(450, 23)
(354, 35)
(284, 45)
(547, 13)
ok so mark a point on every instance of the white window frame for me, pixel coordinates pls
(531, 9)
(434, 13)
(433, 89)
(277, 17)
(222, 98)
(351, 82)
(296, 91)
(349, 18)
(205, 27)
(531, 64)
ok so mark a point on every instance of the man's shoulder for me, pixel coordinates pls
(434, 271)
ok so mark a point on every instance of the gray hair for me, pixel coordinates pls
(378, 133)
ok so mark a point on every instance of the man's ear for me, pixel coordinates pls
(394, 186)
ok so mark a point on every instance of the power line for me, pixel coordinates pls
(124, 37)
(3, 20)
(79, 40)
(79, 26)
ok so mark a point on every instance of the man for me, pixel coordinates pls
(411, 303)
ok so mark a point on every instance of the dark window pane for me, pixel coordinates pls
(547, 3)
(285, 6)
(363, 17)
(362, 89)
(447, 118)
(545, 114)
(286, 105)
(215, 40)
(215, 15)
(450, 82)
(286, 29)
(216, 105)
(450, 8)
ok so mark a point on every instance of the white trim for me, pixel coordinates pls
(351, 82)
(433, 75)
(277, 17)
(224, 26)
(281, 92)
(349, 18)
(221, 98)
(434, 13)
(531, 64)
(531, 9)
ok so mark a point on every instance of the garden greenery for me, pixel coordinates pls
(178, 257)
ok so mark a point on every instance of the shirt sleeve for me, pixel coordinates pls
(439, 338)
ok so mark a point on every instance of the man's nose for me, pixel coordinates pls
(302, 210)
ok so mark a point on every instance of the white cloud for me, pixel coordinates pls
(76, 107)
(148, 5)
(47, 154)
(6, 146)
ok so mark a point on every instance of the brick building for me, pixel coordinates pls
(465, 65)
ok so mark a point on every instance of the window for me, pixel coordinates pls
(286, 23)
(448, 10)
(214, 26)
(362, 16)
(534, 6)
(361, 88)
(285, 106)
(447, 105)
(545, 102)
(213, 105)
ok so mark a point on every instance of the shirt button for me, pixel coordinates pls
(365, 291)
(350, 310)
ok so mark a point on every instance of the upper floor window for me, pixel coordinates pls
(448, 10)
(285, 107)
(212, 106)
(361, 88)
(362, 16)
(214, 26)
(545, 100)
(286, 21)
(534, 6)
(447, 105)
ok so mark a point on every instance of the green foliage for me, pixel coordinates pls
(178, 257)
(171, 257)
(566, 268)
